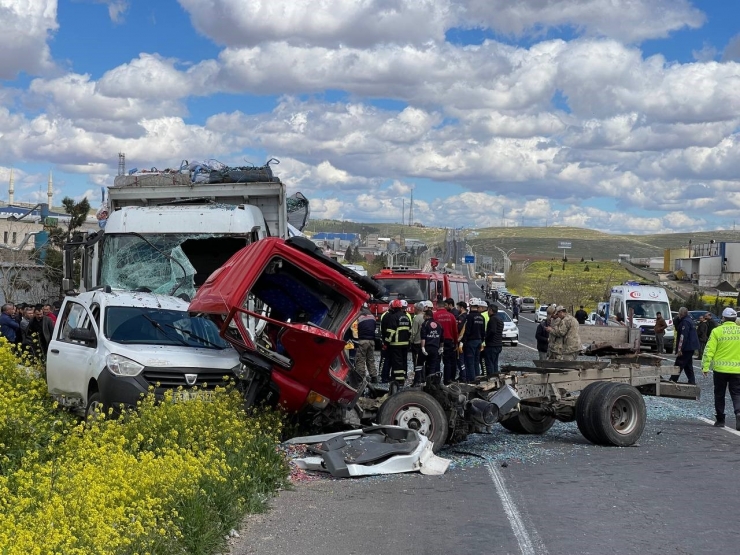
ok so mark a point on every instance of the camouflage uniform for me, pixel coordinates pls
(566, 343)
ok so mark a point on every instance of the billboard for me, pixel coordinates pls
(564, 245)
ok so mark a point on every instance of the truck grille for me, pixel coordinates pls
(170, 378)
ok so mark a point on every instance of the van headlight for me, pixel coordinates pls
(122, 366)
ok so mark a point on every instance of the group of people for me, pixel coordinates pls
(557, 335)
(458, 342)
(719, 348)
(29, 327)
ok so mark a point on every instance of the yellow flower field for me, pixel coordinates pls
(168, 478)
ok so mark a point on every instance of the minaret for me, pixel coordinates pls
(50, 190)
(11, 188)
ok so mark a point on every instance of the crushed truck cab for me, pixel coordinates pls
(286, 307)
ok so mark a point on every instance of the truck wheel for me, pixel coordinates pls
(513, 424)
(418, 411)
(94, 403)
(524, 423)
(618, 415)
(536, 424)
(583, 410)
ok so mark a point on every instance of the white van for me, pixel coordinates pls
(110, 347)
(641, 303)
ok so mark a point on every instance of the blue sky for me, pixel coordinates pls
(621, 115)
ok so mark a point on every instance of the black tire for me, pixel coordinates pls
(583, 411)
(525, 423)
(418, 411)
(536, 424)
(93, 402)
(618, 415)
(513, 424)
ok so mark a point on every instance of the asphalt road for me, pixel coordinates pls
(676, 492)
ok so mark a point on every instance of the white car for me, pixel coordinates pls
(511, 331)
(541, 314)
(109, 348)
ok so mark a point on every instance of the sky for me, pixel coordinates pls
(618, 115)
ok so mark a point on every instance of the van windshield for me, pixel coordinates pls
(152, 326)
(412, 290)
(648, 309)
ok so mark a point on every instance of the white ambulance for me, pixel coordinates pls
(637, 305)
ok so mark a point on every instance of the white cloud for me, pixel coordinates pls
(319, 22)
(364, 23)
(27, 26)
(731, 52)
(627, 20)
(116, 8)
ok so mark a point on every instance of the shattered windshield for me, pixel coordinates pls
(130, 324)
(164, 263)
(412, 290)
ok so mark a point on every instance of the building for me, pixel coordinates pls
(337, 241)
(711, 263)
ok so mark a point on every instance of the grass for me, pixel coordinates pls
(568, 284)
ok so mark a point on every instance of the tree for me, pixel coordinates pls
(54, 263)
(349, 255)
(357, 256)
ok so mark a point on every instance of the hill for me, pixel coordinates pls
(540, 242)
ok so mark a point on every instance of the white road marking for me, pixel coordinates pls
(707, 420)
(726, 429)
(528, 545)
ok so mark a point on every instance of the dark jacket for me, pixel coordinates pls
(542, 336)
(475, 327)
(688, 340)
(365, 325)
(9, 328)
(432, 334)
(702, 331)
(581, 315)
(660, 325)
(495, 332)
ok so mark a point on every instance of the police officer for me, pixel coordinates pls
(397, 335)
(723, 354)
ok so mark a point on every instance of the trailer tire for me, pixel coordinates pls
(618, 415)
(584, 417)
(418, 411)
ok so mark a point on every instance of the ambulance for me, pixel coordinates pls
(636, 305)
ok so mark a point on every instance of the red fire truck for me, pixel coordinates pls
(414, 285)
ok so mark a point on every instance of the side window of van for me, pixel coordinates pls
(74, 316)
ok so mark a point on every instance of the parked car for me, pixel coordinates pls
(696, 314)
(541, 314)
(528, 304)
(594, 319)
(511, 331)
(109, 348)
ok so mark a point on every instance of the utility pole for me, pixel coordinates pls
(403, 211)
(411, 209)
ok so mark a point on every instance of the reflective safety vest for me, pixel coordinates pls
(723, 349)
(398, 330)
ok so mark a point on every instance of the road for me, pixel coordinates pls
(673, 492)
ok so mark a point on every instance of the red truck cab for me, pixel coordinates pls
(286, 307)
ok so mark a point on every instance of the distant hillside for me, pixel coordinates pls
(540, 242)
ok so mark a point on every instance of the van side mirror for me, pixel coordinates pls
(83, 335)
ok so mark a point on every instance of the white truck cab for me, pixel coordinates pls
(637, 305)
(109, 348)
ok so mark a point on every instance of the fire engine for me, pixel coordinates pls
(414, 285)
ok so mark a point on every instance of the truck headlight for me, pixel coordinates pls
(122, 366)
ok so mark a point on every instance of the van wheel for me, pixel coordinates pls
(95, 407)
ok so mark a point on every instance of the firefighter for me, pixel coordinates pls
(385, 360)
(446, 318)
(475, 332)
(396, 337)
